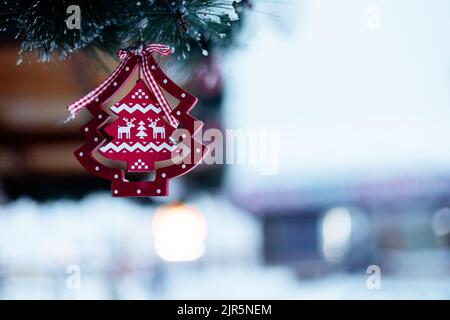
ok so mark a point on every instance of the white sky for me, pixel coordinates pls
(347, 100)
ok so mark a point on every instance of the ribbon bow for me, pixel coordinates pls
(125, 54)
(161, 49)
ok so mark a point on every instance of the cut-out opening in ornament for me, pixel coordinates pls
(133, 176)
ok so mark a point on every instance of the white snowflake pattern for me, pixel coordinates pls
(139, 94)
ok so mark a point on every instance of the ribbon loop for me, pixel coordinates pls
(124, 54)
(161, 49)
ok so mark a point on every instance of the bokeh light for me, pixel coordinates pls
(180, 232)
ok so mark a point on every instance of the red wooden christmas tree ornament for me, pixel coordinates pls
(145, 134)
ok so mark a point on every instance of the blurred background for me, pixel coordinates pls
(357, 208)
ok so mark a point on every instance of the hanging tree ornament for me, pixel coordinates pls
(145, 132)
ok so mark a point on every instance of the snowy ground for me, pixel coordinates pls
(111, 241)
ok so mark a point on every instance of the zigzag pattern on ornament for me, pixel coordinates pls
(137, 106)
(138, 145)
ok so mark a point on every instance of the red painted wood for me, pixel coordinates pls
(100, 135)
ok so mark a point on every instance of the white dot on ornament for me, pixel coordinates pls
(97, 168)
(163, 175)
(116, 176)
(183, 95)
(165, 80)
(183, 166)
(146, 167)
(86, 129)
(116, 191)
(96, 99)
(95, 139)
(100, 116)
(132, 167)
(158, 191)
(198, 150)
(127, 69)
(115, 84)
(153, 67)
(138, 191)
(178, 113)
(81, 154)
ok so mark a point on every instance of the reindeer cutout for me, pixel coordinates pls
(125, 129)
(157, 130)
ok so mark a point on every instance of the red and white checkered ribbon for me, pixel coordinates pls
(125, 55)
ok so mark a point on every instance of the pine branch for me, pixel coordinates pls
(190, 27)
